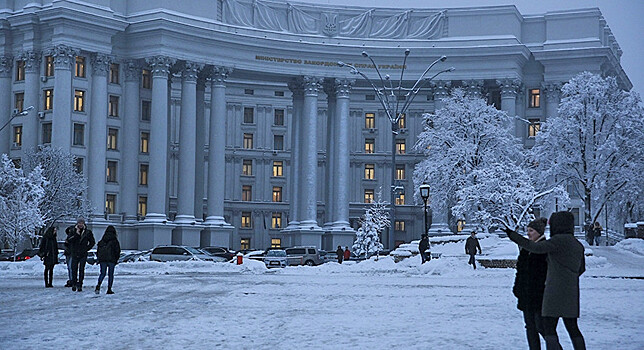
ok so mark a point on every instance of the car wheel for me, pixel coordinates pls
(310, 263)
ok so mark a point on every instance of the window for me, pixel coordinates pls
(146, 110)
(249, 114)
(79, 135)
(49, 99)
(114, 73)
(279, 93)
(278, 117)
(17, 135)
(535, 98)
(78, 165)
(402, 122)
(370, 120)
(460, 225)
(244, 243)
(19, 101)
(399, 225)
(276, 222)
(46, 133)
(276, 242)
(113, 107)
(401, 148)
(277, 194)
(146, 79)
(400, 171)
(80, 67)
(278, 142)
(369, 145)
(112, 139)
(534, 127)
(247, 167)
(278, 168)
(79, 101)
(249, 92)
(49, 66)
(145, 142)
(110, 203)
(143, 174)
(111, 170)
(248, 141)
(368, 196)
(400, 199)
(369, 171)
(246, 221)
(142, 209)
(20, 70)
(370, 97)
(247, 193)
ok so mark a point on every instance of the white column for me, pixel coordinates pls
(131, 141)
(341, 155)
(331, 139)
(187, 144)
(6, 105)
(441, 91)
(157, 188)
(552, 91)
(308, 155)
(61, 136)
(98, 135)
(32, 90)
(294, 175)
(200, 150)
(509, 88)
(438, 205)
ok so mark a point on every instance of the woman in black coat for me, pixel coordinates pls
(530, 282)
(48, 252)
(108, 253)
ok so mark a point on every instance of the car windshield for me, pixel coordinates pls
(193, 250)
(276, 253)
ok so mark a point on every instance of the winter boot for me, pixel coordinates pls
(109, 291)
(80, 288)
(74, 288)
(552, 342)
(578, 343)
(98, 289)
(68, 284)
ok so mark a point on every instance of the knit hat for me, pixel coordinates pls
(562, 222)
(539, 225)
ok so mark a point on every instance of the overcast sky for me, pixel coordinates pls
(625, 18)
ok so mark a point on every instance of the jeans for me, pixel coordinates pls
(109, 266)
(533, 327)
(78, 270)
(597, 240)
(68, 260)
(550, 333)
(472, 260)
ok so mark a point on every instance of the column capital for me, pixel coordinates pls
(296, 87)
(441, 88)
(552, 90)
(343, 87)
(6, 64)
(32, 60)
(190, 70)
(132, 70)
(509, 87)
(63, 56)
(101, 64)
(311, 85)
(473, 87)
(219, 74)
(160, 65)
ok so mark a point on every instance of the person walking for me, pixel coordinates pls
(340, 254)
(597, 232)
(588, 228)
(81, 241)
(68, 255)
(529, 284)
(48, 252)
(108, 253)
(471, 244)
(565, 264)
(347, 254)
(423, 245)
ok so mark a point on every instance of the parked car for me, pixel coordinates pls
(178, 252)
(309, 255)
(218, 251)
(135, 256)
(276, 258)
(91, 257)
(255, 255)
(26, 254)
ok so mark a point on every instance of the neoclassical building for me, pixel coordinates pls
(229, 122)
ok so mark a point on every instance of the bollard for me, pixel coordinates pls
(240, 259)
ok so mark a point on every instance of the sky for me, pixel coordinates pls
(624, 17)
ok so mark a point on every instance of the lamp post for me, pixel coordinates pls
(424, 193)
(17, 113)
(389, 97)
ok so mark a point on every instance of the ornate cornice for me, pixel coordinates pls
(63, 56)
(311, 85)
(32, 60)
(509, 87)
(160, 65)
(190, 71)
(101, 64)
(219, 74)
(132, 70)
(6, 64)
(343, 87)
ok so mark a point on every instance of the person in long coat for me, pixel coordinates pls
(340, 253)
(565, 264)
(68, 255)
(471, 244)
(48, 252)
(108, 253)
(423, 245)
(529, 284)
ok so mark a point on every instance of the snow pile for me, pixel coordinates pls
(633, 245)
(593, 262)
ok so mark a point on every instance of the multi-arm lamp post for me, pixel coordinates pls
(17, 113)
(424, 194)
(390, 97)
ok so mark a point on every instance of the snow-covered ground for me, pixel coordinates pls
(443, 304)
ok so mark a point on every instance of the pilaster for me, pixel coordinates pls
(62, 112)
(6, 64)
(30, 123)
(131, 140)
(297, 91)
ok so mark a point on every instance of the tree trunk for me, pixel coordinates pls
(587, 211)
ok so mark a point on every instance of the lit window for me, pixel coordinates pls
(248, 141)
(19, 101)
(277, 194)
(249, 113)
(143, 206)
(369, 145)
(146, 110)
(145, 142)
(401, 147)
(110, 203)
(80, 67)
(111, 170)
(17, 135)
(276, 242)
(78, 165)
(278, 117)
(46, 133)
(534, 127)
(369, 171)
(370, 120)
(244, 243)
(460, 225)
(399, 225)
(400, 199)
(278, 168)
(247, 167)
(113, 107)
(79, 100)
(247, 193)
(146, 79)
(49, 66)
(246, 220)
(368, 196)
(20, 70)
(143, 174)
(400, 171)
(79, 135)
(114, 73)
(49, 99)
(112, 139)
(535, 98)
(276, 222)
(278, 142)
(402, 123)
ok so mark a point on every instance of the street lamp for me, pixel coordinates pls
(17, 113)
(389, 97)
(424, 193)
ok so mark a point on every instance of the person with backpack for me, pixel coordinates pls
(108, 253)
(48, 252)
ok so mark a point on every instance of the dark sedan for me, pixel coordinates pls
(219, 251)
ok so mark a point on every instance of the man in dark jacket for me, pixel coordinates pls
(529, 284)
(565, 264)
(471, 244)
(340, 253)
(423, 245)
(80, 242)
(68, 255)
(108, 253)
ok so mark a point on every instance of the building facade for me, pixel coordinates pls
(229, 122)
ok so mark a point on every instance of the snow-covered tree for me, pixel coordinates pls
(20, 195)
(373, 222)
(65, 189)
(596, 143)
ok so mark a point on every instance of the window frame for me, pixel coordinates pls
(534, 99)
(80, 67)
(74, 133)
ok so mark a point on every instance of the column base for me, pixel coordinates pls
(307, 235)
(292, 226)
(439, 229)
(188, 235)
(215, 221)
(217, 235)
(128, 235)
(153, 218)
(154, 234)
(338, 236)
(184, 220)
